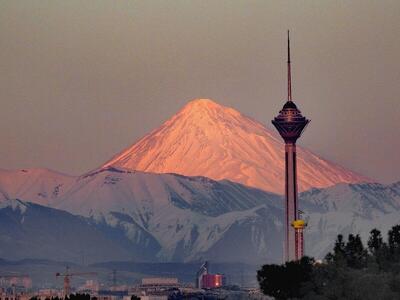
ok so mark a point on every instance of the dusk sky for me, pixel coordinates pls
(81, 80)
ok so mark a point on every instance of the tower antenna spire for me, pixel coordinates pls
(289, 69)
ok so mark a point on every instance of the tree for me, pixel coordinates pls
(379, 250)
(350, 272)
(338, 255)
(79, 297)
(355, 254)
(394, 240)
(375, 241)
(285, 281)
(339, 248)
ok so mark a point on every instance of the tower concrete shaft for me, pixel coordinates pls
(290, 124)
(291, 199)
(299, 245)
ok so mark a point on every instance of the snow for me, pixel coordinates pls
(345, 209)
(195, 212)
(14, 204)
(42, 186)
(148, 199)
(191, 217)
(208, 139)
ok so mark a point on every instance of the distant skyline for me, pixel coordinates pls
(80, 81)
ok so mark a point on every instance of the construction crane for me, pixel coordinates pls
(67, 282)
(114, 279)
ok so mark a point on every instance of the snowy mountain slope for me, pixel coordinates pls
(179, 218)
(348, 208)
(187, 216)
(208, 139)
(262, 228)
(176, 218)
(29, 230)
(41, 186)
(198, 217)
(115, 189)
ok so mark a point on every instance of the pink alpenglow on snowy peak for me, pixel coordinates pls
(208, 139)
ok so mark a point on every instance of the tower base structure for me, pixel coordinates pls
(298, 226)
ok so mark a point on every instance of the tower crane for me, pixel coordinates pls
(67, 282)
(114, 279)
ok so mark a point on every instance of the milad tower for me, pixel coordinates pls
(290, 124)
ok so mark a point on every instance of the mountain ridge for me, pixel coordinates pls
(188, 217)
(25, 227)
(207, 139)
(179, 218)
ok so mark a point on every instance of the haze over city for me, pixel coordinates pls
(79, 82)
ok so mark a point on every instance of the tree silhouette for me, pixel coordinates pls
(285, 281)
(375, 242)
(356, 255)
(394, 241)
(350, 271)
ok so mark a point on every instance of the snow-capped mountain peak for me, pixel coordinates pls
(208, 139)
(209, 110)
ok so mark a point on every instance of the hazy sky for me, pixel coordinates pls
(81, 80)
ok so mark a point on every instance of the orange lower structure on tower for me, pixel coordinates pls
(299, 226)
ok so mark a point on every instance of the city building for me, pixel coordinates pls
(212, 281)
(200, 273)
(160, 281)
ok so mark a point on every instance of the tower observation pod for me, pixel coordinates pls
(290, 124)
